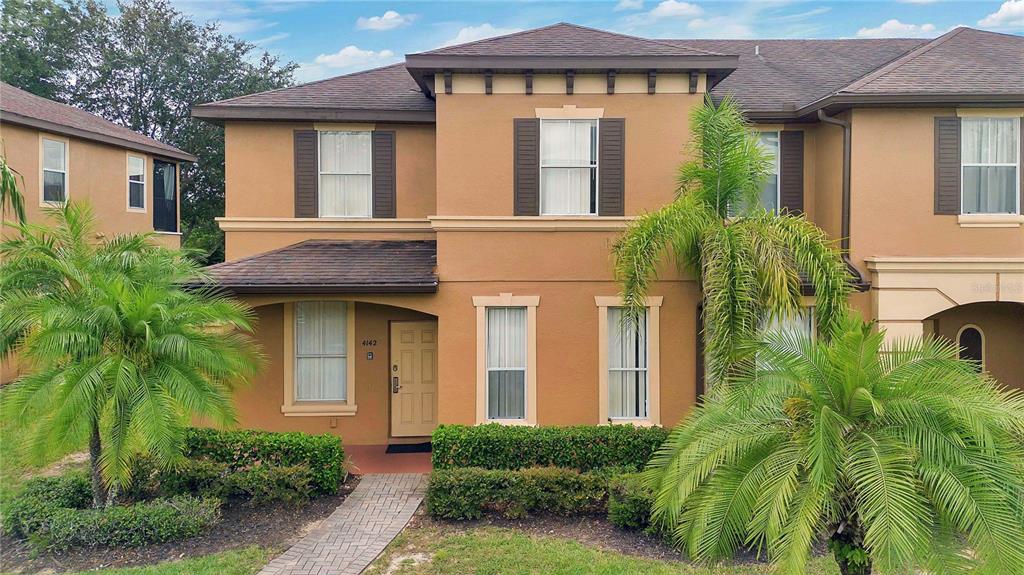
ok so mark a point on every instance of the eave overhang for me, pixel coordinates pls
(219, 113)
(836, 103)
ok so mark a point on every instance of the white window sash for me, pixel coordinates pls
(1015, 164)
(139, 178)
(63, 172)
(644, 370)
(590, 165)
(321, 355)
(321, 173)
(520, 368)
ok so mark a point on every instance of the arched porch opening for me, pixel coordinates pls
(991, 333)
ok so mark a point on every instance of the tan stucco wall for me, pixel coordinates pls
(1003, 327)
(825, 153)
(260, 169)
(97, 173)
(893, 193)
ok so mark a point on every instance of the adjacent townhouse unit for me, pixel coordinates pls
(429, 242)
(64, 153)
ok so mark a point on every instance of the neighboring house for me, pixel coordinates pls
(429, 242)
(62, 153)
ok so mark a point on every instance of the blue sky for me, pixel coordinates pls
(333, 37)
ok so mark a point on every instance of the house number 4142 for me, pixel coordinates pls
(369, 342)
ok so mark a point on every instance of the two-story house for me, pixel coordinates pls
(429, 242)
(64, 153)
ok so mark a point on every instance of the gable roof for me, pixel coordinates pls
(20, 107)
(789, 74)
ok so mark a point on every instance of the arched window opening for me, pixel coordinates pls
(972, 345)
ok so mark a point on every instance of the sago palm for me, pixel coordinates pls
(119, 354)
(10, 192)
(903, 457)
(748, 261)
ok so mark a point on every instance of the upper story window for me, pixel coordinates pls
(346, 187)
(55, 171)
(568, 167)
(136, 183)
(165, 196)
(990, 165)
(770, 189)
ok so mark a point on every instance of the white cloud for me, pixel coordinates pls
(721, 27)
(351, 58)
(896, 29)
(665, 10)
(244, 26)
(272, 38)
(1009, 15)
(387, 21)
(629, 5)
(473, 33)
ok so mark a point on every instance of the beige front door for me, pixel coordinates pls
(413, 378)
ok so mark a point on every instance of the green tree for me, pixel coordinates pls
(121, 355)
(901, 456)
(143, 67)
(748, 261)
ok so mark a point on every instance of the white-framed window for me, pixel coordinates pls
(55, 171)
(321, 351)
(568, 167)
(770, 189)
(990, 165)
(136, 182)
(627, 366)
(345, 171)
(802, 322)
(506, 340)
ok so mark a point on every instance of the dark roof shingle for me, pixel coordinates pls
(334, 266)
(20, 107)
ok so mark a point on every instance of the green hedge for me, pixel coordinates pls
(582, 447)
(322, 454)
(472, 492)
(202, 477)
(629, 502)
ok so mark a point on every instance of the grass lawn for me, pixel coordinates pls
(490, 550)
(238, 562)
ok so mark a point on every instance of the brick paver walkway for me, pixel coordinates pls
(358, 530)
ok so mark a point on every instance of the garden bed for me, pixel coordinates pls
(274, 525)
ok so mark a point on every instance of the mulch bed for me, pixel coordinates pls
(271, 525)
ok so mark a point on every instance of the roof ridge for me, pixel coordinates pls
(901, 60)
(481, 40)
(310, 83)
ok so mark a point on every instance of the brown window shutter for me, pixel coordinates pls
(383, 174)
(947, 165)
(791, 168)
(306, 203)
(611, 169)
(526, 167)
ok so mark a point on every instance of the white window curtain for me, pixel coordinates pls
(345, 174)
(801, 322)
(568, 167)
(136, 182)
(627, 365)
(770, 190)
(55, 171)
(990, 159)
(321, 351)
(506, 363)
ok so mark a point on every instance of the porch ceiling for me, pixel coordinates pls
(324, 266)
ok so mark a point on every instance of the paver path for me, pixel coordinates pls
(358, 530)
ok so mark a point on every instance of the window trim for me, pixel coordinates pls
(596, 167)
(778, 167)
(981, 333)
(481, 303)
(313, 408)
(128, 183)
(320, 173)
(42, 169)
(1017, 165)
(653, 305)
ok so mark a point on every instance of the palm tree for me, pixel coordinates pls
(122, 356)
(748, 261)
(10, 195)
(902, 456)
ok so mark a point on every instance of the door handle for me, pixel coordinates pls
(395, 385)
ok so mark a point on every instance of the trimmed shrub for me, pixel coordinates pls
(629, 502)
(581, 447)
(291, 484)
(204, 478)
(156, 521)
(322, 454)
(471, 492)
(26, 513)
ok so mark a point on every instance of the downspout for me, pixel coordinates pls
(844, 241)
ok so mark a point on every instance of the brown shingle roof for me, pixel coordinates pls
(20, 107)
(325, 266)
(788, 74)
(564, 39)
(963, 61)
(377, 93)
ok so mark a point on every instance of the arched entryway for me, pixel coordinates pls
(991, 333)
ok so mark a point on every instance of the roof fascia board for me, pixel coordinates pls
(272, 113)
(30, 122)
(840, 102)
(433, 62)
(325, 289)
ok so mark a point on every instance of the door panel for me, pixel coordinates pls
(413, 378)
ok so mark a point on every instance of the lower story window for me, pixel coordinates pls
(627, 365)
(506, 362)
(321, 354)
(802, 322)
